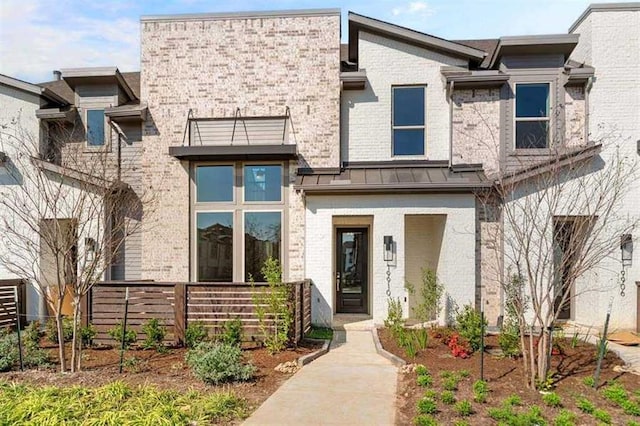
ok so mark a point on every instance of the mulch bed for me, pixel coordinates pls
(505, 377)
(164, 370)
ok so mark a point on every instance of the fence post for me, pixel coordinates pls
(180, 309)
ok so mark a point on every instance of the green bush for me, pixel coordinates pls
(116, 334)
(565, 418)
(603, 416)
(425, 420)
(464, 408)
(155, 330)
(480, 391)
(195, 333)
(232, 332)
(552, 399)
(427, 406)
(217, 362)
(469, 325)
(88, 333)
(424, 380)
(448, 397)
(51, 329)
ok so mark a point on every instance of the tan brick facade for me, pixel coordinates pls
(213, 66)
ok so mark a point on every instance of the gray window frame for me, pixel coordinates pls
(423, 127)
(238, 207)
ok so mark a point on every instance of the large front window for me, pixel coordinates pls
(239, 211)
(408, 117)
(532, 116)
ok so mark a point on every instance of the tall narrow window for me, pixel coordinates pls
(262, 239)
(408, 118)
(95, 127)
(215, 246)
(532, 116)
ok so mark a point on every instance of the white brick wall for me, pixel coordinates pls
(366, 115)
(610, 41)
(456, 267)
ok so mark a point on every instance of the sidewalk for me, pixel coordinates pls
(351, 385)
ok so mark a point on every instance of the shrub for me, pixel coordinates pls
(424, 380)
(425, 420)
(427, 406)
(116, 334)
(87, 334)
(552, 399)
(217, 362)
(195, 333)
(585, 405)
(51, 329)
(565, 418)
(469, 325)
(512, 400)
(448, 397)
(602, 416)
(155, 330)
(463, 408)
(232, 332)
(273, 304)
(429, 295)
(480, 391)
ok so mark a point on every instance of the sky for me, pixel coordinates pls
(39, 36)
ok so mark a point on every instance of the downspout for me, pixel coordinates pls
(450, 90)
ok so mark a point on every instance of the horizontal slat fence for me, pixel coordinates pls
(9, 310)
(179, 304)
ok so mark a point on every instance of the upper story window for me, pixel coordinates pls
(532, 116)
(95, 127)
(408, 118)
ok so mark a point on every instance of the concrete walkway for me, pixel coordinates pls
(351, 385)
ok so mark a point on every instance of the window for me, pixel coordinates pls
(532, 116)
(239, 210)
(214, 183)
(262, 237)
(408, 118)
(95, 127)
(263, 183)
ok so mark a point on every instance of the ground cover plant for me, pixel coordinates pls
(455, 394)
(115, 403)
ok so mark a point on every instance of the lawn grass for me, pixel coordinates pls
(320, 333)
(115, 403)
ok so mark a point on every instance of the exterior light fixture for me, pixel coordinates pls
(626, 247)
(388, 248)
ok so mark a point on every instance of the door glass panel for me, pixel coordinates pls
(215, 247)
(351, 262)
(262, 237)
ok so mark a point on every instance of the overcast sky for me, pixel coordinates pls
(38, 36)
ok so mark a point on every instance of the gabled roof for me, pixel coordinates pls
(32, 88)
(62, 89)
(396, 32)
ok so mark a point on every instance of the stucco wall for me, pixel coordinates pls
(456, 267)
(213, 66)
(610, 41)
(366, 114)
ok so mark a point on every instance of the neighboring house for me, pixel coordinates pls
(610, 42)
(354, 165)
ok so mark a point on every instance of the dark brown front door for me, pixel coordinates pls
(352, 270)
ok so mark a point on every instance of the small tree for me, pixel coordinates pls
(69, 215)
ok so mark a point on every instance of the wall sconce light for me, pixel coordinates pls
(388, 248)
(626, 246)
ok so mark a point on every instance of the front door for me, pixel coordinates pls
(352, 270)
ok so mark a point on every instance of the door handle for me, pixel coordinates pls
(338, 282)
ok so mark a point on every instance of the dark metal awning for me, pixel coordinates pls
(234, 152)
(393, 177)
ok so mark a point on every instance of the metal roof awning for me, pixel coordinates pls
(393, 177)
(234, 152)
